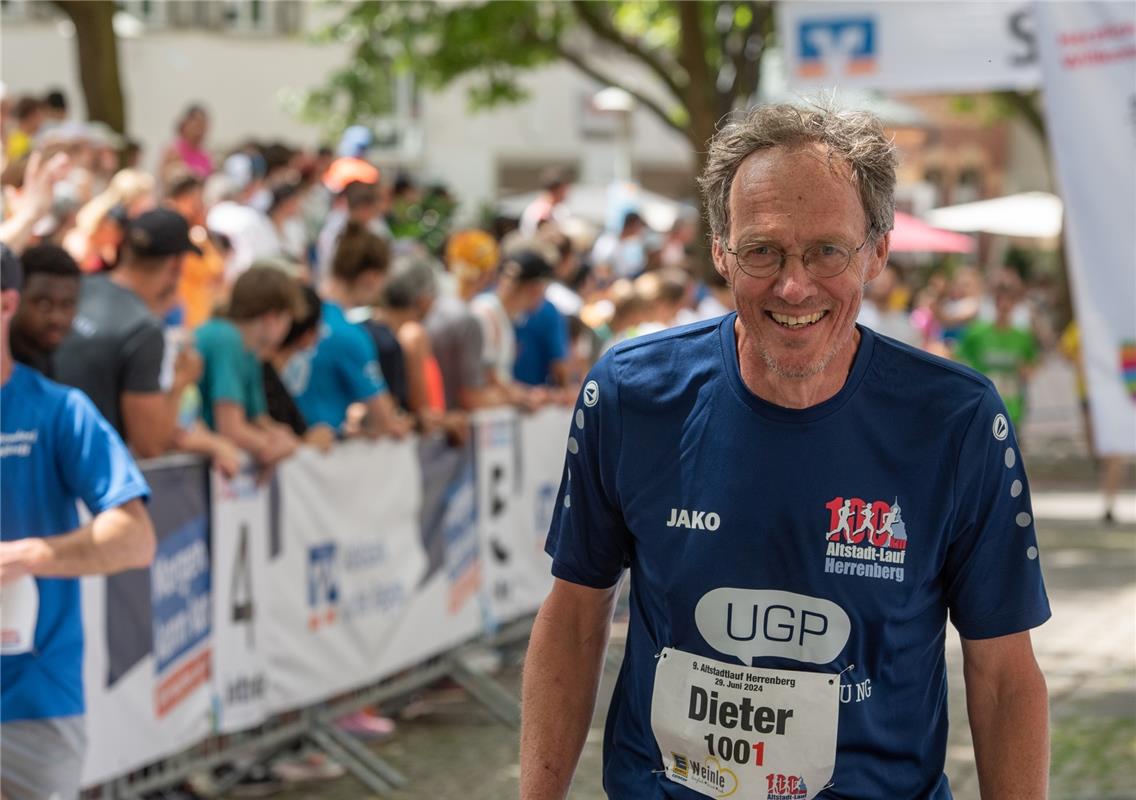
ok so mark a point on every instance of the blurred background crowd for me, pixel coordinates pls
(262, 296)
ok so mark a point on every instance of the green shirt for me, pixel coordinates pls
(232, 373)
(1000, 354)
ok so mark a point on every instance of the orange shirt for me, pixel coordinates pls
(202, 284)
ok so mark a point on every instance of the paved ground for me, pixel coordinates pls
(1087, 651)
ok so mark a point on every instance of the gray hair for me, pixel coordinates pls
(412, 278)
(856, 137)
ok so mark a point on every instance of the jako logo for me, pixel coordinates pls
(323, 585)
(836, 47)
(694, 520)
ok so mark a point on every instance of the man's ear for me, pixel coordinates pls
(879, 259)
(721, 260)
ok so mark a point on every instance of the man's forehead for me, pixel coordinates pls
(47, 283)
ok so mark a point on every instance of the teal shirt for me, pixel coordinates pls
(231, 373)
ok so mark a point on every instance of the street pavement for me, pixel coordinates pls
(455, 750)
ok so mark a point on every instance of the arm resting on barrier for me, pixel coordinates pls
(117, 539)
(1008, 705)
(562, 674)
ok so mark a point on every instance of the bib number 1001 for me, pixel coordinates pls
(736, 750)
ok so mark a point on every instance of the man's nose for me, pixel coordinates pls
(795, 284)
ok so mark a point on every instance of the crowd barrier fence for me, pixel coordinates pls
(352, 577)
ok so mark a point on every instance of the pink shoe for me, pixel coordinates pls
(366, 725)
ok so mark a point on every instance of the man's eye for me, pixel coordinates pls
(828, 249)
(757, 250)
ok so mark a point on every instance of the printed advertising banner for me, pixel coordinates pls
(240, 557)
(148, 649)
(347, 568)
(347, 564)
(909, 46)
(1088, 55)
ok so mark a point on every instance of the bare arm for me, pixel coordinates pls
(562, 675)
(267, 446)
(150, 420)
(119, 538)
(1008, 705)
(383, 419)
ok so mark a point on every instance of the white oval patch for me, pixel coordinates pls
(1023, 519)
(1015, 488)
(591, 393)
(580, 418)
(1031, 553)
(748, 623)
(1001, 428)
(1011, 458)
(573, 445)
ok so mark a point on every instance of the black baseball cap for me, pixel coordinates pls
(158, 233)
(11, 270)
(526, 266)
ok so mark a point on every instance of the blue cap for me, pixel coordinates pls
(355, 141)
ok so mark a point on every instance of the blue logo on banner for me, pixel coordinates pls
(180, 593)
(323, 585)
(840, 45)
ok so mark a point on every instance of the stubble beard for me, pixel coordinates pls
(801, 371)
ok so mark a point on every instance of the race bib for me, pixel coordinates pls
(726, 730)
(19, 610)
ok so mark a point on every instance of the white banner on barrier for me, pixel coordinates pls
(520, 461)
(148, 640)
(1089, 62)
(240, 552)
(909, 46)
(347, 564)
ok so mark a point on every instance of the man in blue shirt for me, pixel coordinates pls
(542, 347)
(802, 503)
(55, 449)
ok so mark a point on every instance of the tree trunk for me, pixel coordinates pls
(97, 48)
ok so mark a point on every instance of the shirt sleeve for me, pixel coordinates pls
(490, 340)
(359, 367)
(588, 540)
(471, 345)
(992, 572)
(557, 335)
(142, 356)
(221, 381)
(257, 398)
(93, 462)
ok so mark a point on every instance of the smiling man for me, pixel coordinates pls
(861, 492)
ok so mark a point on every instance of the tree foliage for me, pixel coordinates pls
(704, 57)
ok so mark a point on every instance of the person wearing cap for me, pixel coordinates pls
(117, 347)
(55, 450)
(521, 282)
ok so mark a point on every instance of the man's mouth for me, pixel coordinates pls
(793, 322)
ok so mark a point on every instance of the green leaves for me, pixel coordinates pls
(493, 43)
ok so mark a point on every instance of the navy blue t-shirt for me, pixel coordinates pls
(902, 499)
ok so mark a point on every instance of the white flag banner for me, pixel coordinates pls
(1088, 56)
(347, 564)
(240, 553)
(909, 46)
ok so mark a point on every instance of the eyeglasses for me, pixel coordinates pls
(760, 260)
